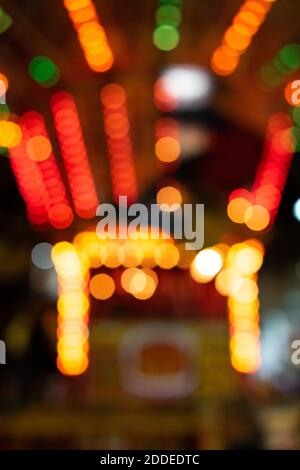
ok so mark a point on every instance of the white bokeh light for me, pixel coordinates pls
(296, 210)
(190, 85)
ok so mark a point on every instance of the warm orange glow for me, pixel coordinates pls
(291, 94)
(235, 39)
(246, 259)
(38, 148)
(238, 281)
(225, 281)
(186, 256)
(169, 198)
(236, 209)
(4, 83)
(246, 362)
(138, 282)
(245, 290)
(76, 366)
(112, 254)
(141, 283)
(119, 145)
(238, 36)
(113, 96)
(89, 245)
(257, 217)
(84, 14)
(127, 277)
(73, 5)
(133, 254)
(91, 34)
(73, 307)
(224, 61)
(102, 286)
(166, 255)
(167, 149)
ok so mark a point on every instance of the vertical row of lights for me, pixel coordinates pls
(272, 172)
(73, 309)
(117, 129)
(238, 36)
(234, 270)
(91, 34)
(258, 208)
(168, 19)
(39, 150)
(243, 262)
(167, 150)
(31, 185)
(74, 153)
(237, 280)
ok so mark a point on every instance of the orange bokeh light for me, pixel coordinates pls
(167, 149)
(102, 286)
(236, 209)
(169, 198)
(39, 148)
(257, 217)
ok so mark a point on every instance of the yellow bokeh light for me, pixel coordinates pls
(10, 134)
(67, 261)
(245, 290)
(247, 260)
(72, 367)
(246, 363)
(112, 254)
(225, 281)
(166, 255)
(148, 247)
(257, 244)
(73, 304)
(245, 309)
(133, 254)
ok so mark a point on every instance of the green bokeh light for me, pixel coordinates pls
(290, 56)
(168, 15)
(44, 71)
(296, 134)
(170, 2)
(280, 66)
(4, 151)
(296, 115)
(4, 112)
(5, 21)
(166, 37)
(269, 75)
